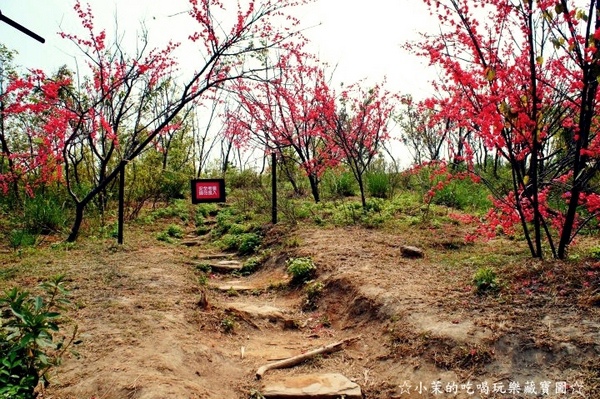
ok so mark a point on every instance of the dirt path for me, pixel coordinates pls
(139, 331)
(143, 334)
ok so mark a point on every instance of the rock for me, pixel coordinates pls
(408, 251)
(256, 311)
(314, 386)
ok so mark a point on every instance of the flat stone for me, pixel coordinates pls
(236, 285)
(314, 386)
(257, 311)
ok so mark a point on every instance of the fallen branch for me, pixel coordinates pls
(294, 360)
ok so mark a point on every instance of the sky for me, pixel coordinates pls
(362, 40)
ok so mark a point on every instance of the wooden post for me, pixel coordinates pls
(274, 187)
(121, 203)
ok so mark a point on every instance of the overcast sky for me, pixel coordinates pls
(363, 39)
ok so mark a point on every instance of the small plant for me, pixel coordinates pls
(485, 280)
(301, 269)
(203, 267)
(228, 324)
(203, 279)
(250, 266)
(293, 242)
(249, 243)
(595, 253)
(313, 293)
(43, 214)
(28, 348)
(163, 236)
(206, 210)
(175, 231)
(21, 238)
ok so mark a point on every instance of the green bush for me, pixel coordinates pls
(206, 210)
(175, 231)
(463, 194)
(378, 184)
(28, 328)
(249, 243)
(245, 179)
(301, 269)
(43, 214)
(173, 185)
(250, 265)
(244, 244)
(177, 209)
(340, 184)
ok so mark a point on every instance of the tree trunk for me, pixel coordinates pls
(314, 187)
(79, 208)
(361, 186)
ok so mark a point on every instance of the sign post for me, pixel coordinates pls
(208, 190)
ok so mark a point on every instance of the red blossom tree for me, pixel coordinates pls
(31, 128)
(359, 127)
(284, 114)
(113, 114)
(522, 77)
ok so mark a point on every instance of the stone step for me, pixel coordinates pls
(218, 255)
(193, 241)
(235, 285)
(256, 311)
(225, 266)
(314, 386)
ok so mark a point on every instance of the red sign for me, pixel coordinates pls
(208, 190)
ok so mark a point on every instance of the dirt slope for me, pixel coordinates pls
(143, 334)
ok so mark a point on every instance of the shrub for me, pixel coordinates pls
(228, 324)
(340, 184)
(244, 244)
(206, 210)
(463, 194)
(177, 209)
(28, 327)
(301, 269)
(43, 214)
(249, 243)
(242, 179)
(378, 184)
(175, 231)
